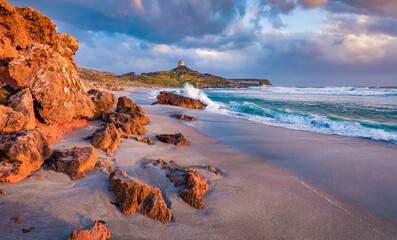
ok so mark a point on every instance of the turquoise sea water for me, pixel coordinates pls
(367, 112)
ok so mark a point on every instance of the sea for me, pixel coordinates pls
(363, 112)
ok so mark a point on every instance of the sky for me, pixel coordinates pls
(289, 42)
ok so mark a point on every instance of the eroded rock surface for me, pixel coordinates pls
(177, 139)
(23, 102)
(22, 152)
(177, 100)
(75, 162)
(196, 185)
(10, 120)
(103, 101)
(107, 137)
(102, 162)
(134, 196)
(147, 140)
(98, 231)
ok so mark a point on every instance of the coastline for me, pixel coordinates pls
(254, 199)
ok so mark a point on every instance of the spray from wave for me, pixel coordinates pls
(192, 92)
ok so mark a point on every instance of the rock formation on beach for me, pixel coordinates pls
(21, 153)
(147, 140)
(98, 231)
(177, 139)
(34, 56)
(134, 196)
(107, 137)
(75, 162)
(177, 100)
(183, 117)
(10, 120)
(196, 185)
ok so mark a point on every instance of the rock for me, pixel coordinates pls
(147, 140)
(114, 88)
(212, 169)
(196, 185)
(18, 220)
(22, 153)
(23, 102)
(177, 139)
(102, 163)
(107, 137)
(75, 162)
(183, 117)
(125, 105)
(26, 230)
(10, 120)
(177, 100)
(98, 231)
(3, 192)
(124, 121)
(103, 101)
(134, 196)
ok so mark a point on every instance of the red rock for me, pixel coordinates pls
(212, 169)
(98, 231)
(183, 117)
(10, 120)
(22, 152)
(177, 100)
(23, 102)
(196, 185)
(114, 88)
(103, 101)
(124, 121)
(125, 105)
(3, 192)
(26, 230)
(146, 140)
(18, 220)
(134, 196)
(177, 139)
(75, 162)
(107, 137)
(102, 163)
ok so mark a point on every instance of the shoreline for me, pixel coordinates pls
(252, 200)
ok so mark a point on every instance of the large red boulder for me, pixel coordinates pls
(177, 139)
(75, 162)
(103, 101)
(134, 196)
(107, 137)
(22, 153)
(10, 120)
(23, 102)
(177, 100)
(98, 231)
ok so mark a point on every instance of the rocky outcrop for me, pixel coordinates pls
(183, 117)
(34, 56)
(75, 162)
(23, 102)
(124, 121)
(103, 101)
(3, 193)
(125, 105)
(98, 231)
(107, 137)
(177, 100)
(147, 140)
(196, 185)
(10, 120)
(102, 162)
(134, 196)
(177, 139)
(22, 153)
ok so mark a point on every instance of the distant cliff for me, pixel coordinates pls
(172, 78)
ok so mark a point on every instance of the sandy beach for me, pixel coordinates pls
(276, 184)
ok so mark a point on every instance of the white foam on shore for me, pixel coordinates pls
(192, 92)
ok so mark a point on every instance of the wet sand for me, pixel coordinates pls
(260, 195)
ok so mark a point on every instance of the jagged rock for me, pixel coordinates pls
(23, 102)
(125, 105)
(98, 231)
(107, 137)
(102, 163)
(134, 196)
(26, 230)
(196, 185)
(3, 193)
(212, 169)
(10, 120)
(75, 162)
(124, 121)
(177, 100)
(103, 101)
(147, 140)
(183, 117)
(177, 139)
(22, 153)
